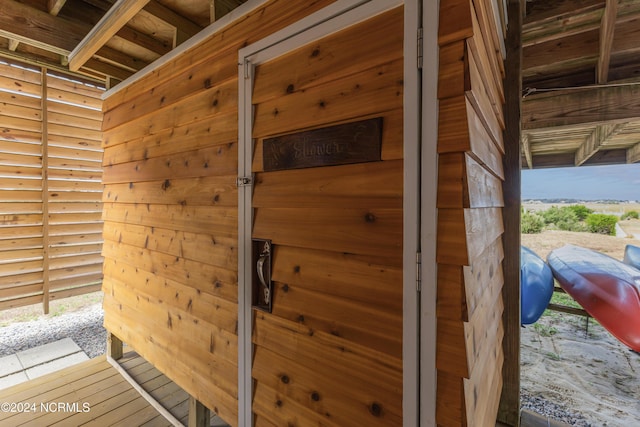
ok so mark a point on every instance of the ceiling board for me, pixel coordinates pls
(581, 78)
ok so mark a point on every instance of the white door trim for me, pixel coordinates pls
(333, 18)
(430, 11)
(411, 217)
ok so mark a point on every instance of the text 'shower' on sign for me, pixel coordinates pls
(355, 142)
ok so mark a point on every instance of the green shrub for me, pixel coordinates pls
(563, 218)
(581, 211)
(602, 224)
(630, 215)
(531, 223)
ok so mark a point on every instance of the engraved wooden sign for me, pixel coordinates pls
(348, 143)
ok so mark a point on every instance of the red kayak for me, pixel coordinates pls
(606, 288)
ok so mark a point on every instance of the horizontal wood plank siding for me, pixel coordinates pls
(330, 352)
(470, 225)
(50, 208)
(171, 210)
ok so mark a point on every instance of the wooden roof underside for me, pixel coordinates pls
(102, 40)
(580, 77)
(581, 83)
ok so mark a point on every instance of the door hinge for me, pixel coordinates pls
(418, 271)
(244, 181)
(420, 48)
(247, 69)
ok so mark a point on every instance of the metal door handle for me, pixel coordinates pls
(263, 281)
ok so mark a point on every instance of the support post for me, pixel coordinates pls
(199, 415)
(114, 346)
(509, 410)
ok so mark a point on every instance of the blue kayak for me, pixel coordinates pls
(632, 256)
(536, 286)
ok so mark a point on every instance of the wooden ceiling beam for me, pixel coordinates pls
(526, 150)
(182, 24)
(563, 160)
(106, 69)
(120, 59)
(568, 24)
(607, 30)
(116, 18)
(54, 6)
(143, 40)
(595, 141)
(571, 50)
(550, 11)
(40, 29)
(633, 154)
(219, 8)
(593, 105)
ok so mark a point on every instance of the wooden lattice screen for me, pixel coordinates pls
(50, 187)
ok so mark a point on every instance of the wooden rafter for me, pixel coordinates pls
(607, 30)
(146, 41)
(116, 18)
(107, 69)
(219, 8)
(595, 141)
(582, 106)
(185, 28)
(571, 18)
(119, 59)
(54, 6)
(633, 154)
(526, 150)
(37, 28)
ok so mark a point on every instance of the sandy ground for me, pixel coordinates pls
(589, 373)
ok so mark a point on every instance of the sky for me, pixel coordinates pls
(614, 182)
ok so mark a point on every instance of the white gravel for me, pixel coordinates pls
(83, 326)
(552, 410)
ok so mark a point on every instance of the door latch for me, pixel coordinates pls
(262, 295)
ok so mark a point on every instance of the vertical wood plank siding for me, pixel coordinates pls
(50, 187)
(170, 164)
(469, 253)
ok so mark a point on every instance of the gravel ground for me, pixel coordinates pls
(83, 326)
(552, 410)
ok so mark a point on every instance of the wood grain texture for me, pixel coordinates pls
(470, 224)
(369, 92)
(455, 21)
(337, 236)
(40, 122)
(375, 232)
(453, 73)
(359, 185)
(353, 48)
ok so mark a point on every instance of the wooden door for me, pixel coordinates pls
(330, 352)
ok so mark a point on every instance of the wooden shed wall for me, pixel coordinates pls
(470, 226)
(50, 189)
(330, 353)
(170, 167)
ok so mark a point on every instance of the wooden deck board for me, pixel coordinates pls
(162, 389)
(110, 398)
